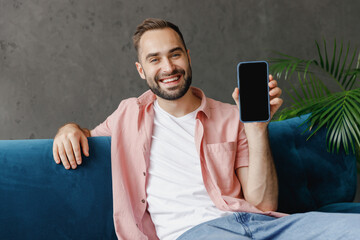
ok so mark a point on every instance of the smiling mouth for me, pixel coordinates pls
(169, 80)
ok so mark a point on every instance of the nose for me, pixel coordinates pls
(168, 66)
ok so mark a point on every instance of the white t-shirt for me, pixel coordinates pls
(176, 194)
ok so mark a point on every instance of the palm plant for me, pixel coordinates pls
(339, 110)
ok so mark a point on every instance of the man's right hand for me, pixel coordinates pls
(68, 142)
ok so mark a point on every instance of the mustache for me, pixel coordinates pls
(176, 71)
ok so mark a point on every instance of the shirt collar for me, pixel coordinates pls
(149, 97)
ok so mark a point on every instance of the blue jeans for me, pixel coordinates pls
(311, 225)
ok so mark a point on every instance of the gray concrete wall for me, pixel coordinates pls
(64, 61)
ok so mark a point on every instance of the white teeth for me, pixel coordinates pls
(170, 79)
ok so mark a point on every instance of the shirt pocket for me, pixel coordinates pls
(220, 159)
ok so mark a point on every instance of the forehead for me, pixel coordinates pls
(159, 41)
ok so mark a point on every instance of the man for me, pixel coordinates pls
(183, 166)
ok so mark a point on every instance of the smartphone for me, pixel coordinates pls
(253, 83)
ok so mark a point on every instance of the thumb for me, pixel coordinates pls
(235, 96)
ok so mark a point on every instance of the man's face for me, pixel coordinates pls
(164, 63)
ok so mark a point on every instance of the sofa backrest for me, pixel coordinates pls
(309, 176)
(41, 200)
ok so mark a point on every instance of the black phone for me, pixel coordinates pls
(253, 83)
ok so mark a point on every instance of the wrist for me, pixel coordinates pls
(73, 127)
(257, 137)
(86, 132)
(256, 129)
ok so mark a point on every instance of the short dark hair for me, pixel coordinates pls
(153, 24)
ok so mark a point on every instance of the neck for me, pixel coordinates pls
(182, 106)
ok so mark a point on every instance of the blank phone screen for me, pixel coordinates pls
(253, 91)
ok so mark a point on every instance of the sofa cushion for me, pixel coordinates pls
(309, 176)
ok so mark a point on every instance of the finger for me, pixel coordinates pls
(270, 77)
(70, 153)
(235, 96)
(276, 101)
(275, 105)
(56, 153)
(275, 92)
(84, 145)
(273, 84)
(75, 144)
(63, 157)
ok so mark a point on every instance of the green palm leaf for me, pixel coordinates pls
(342, 73)
(340, 68)
(288, 65)
(338, 111)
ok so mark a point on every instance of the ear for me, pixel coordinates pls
(188, 53)
(140, 70)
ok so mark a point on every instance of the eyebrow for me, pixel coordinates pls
(157, 53)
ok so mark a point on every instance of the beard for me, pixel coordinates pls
(173, 93)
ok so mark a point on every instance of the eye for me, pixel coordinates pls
(153, 60)
(176, 55)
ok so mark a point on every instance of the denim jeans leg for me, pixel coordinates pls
(227, 228)
(306, 226)
(311, 225)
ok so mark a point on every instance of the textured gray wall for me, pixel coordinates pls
(64, 61)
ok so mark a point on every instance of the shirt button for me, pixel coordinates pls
(143, 200)
(144, 173)
(137, 225)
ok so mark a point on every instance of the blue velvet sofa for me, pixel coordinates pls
(41, 200)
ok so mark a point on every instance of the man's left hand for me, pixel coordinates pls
(275, 101)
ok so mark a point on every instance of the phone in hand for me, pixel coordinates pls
(253, 83)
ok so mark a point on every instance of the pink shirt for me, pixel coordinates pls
(220, 141)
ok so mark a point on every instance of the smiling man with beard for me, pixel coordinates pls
(173, 90)
(184, 166)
